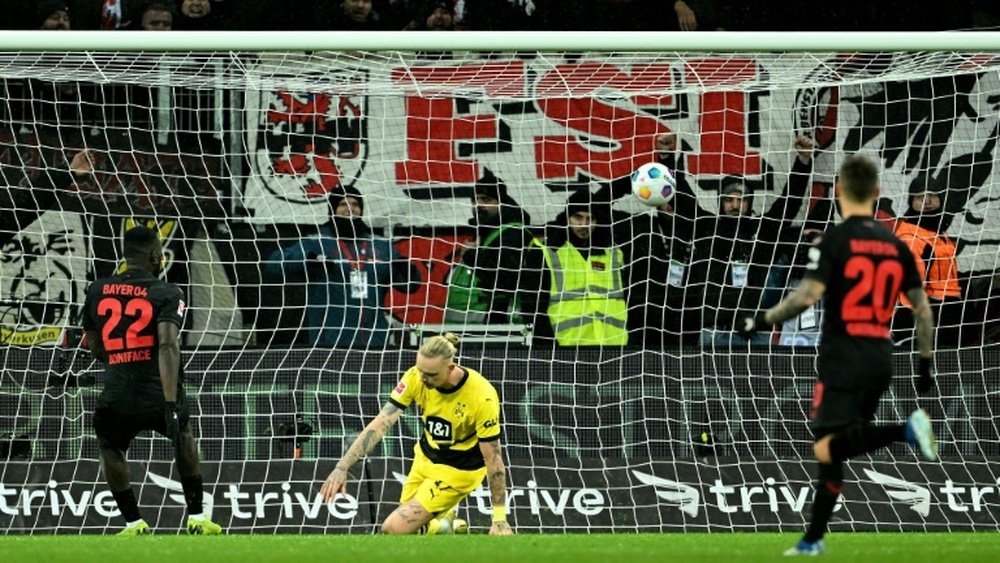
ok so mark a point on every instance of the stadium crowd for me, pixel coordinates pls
(446, 15)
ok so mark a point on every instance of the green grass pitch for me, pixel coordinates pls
(913, 547)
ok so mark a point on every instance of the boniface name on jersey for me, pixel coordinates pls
(129, 356)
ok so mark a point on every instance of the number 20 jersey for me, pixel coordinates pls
(865, 268)
(454, 420)
(125, 310)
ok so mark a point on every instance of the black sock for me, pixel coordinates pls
(831, 479)
(192, 493)
(864, 438)
(127, 505)
(877, 437)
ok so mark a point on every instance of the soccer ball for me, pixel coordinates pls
(653, 184)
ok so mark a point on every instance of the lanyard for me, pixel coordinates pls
(355, 264)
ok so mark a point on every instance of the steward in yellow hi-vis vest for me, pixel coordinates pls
(572, 286)
(587, 304)
(459, 444)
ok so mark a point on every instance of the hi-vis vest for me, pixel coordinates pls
(941, 274)
(587, 304)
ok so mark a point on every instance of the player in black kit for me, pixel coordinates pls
(861, 267)
(132, 323)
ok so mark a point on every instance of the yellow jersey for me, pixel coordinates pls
(454, 420)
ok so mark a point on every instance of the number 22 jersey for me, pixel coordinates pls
(865, 268)
(454, 420)
(125, 311)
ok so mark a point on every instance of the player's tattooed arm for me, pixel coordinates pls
(923, 321)
(496, 472)
(807, 294)
(336, 482)
(370, 436)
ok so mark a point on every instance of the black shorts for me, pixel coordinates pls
(834, 408)
(117, 429)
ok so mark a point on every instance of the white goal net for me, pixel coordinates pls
(642, 413)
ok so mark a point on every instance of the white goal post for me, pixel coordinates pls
(229, 144)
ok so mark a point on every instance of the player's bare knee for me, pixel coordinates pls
(391, 527)
(821, 449)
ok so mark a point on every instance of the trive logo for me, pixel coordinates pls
(584, 501)
(919, 498)
(674, 493)
(747, 497)
(51, 497)
(287, 503)
(269, 503)
(957, 498)
(730, 499)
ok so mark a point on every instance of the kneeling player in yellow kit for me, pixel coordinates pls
(460, 444)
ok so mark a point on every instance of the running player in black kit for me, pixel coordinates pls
(861, 268)
(132, 322)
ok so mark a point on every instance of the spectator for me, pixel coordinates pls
(348, 272)
(355, 15)
(102, 14)
(116, 14)
(686, 18)
(156, 16)
(43, 14)
(730, 268)
(789, 270)
(121, 14)
(669, 318)
(577, 279)
(435, 16)
(484, 284)
(201, 15)
(695, 15)
(647, 242)
(922, 228)
(53, 14)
